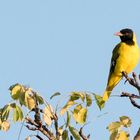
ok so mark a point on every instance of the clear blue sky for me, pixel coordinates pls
(65, 45)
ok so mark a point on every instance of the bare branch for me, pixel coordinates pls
(39, 137)
(43, 129)
(31, 128)
(82, 135)
(132, 81)
(135, 83)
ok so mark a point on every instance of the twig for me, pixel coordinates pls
(43, 129)
(31, 128)
(82, 135)
(132, 81)
(39, 137)
(135, 83)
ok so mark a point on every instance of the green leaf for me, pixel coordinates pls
(125, 121)
(22, 99)
(39, 99)
(66, 107)
(5, 112)
(74, 133)
(88, 100)
(68, 119)
(15, 115)
(65, 135)
(76, 95)
(20, 113)
(55, 94)
(99, 101)
(114, 126)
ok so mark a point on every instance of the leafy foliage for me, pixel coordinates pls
(116, 129)
(25, 96)
(46, 117)
(79, 111)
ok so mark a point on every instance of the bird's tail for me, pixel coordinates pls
(106, 95)
(113, 81)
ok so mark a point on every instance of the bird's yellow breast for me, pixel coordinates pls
(128, 58)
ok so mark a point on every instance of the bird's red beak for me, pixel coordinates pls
(118, 34)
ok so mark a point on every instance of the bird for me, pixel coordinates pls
(125, 57)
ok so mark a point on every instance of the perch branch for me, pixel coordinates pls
(135, 83)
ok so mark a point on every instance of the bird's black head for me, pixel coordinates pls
(126, 36)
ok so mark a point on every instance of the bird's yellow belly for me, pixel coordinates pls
(127, 61)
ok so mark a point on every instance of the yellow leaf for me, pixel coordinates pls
(125, 121)
(29, 100)
(5, 126)
(114, 126)
(80, 114)
(99, 101)
(48, 114)
(60, 130)
(15, 91)
(76, 111)
(66, 107)
(123, 136)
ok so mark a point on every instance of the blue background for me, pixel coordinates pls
(66, 45)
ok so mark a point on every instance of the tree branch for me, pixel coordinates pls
(135, 83)
(43, 129)
(132, 81)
